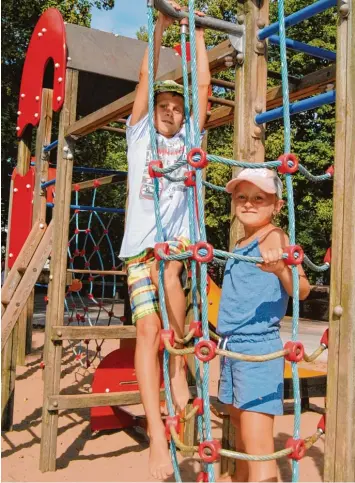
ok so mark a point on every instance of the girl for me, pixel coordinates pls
(253, 302)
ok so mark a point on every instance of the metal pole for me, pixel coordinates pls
(305, 105)
(98, 209)
(297, 17)
(306, 48)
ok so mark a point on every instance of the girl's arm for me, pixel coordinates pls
(271, 249)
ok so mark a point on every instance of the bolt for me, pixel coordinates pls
(240, 58)
(28, 186)
(50, 277)
(17, 128)
(258, 108)
(41, 225)
(59, 333)
(56, 65)
(260, 23)
(44, 30)
(70, 156)
(344, 10)
(260, 46)
(107, 390)
(68, 59)
(338, 311)
(60, 79)
(34, 270)
(241, 19)
(18, 113)
(37, 98)
(59, 98)
(36, 114)
(11, 255)
(66, 149)
(23, 95)
(55, 404)
(40, 34)
(15, 190)
(257, 131)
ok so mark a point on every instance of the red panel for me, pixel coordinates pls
(21, 212)
(115, 373)
(178, 49)
(48, 41)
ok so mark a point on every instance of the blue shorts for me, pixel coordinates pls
(253, 386)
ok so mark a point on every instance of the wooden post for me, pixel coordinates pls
(339, 464)
(9, 353)
(55, 310)
(250, 95)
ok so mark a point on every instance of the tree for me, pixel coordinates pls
(17, 23)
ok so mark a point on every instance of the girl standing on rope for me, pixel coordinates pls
(253, 302)
(141, 235)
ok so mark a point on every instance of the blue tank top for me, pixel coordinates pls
(252, 302)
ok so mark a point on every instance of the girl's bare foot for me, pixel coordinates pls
(160, 465)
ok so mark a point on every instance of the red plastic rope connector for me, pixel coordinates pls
(198, 403)
(205, 350)
(284, 168)
(201, 163)
(190, 178)
(296, 351)
(196, 325)
(202, 477)
(76, 187)
(328, 256)
(152, 173)
(87, 264)
(321, 424)
(161, 246)
(295, 255)
(171, 421)
(42, 365)
(298, 448)
(76, 231)
(96, 183)
(209, 450)
(330, 170)
(166, 334)
(201, 245)
(324, 339)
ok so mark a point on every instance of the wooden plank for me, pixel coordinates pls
(80, 401)
(98, 272)
(340, 432)
(123, 106)
(55, 308)
(99, 332)
(308, 86)
(21, 262)
(111, 179)
(27, 283)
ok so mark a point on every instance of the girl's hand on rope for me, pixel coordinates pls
(273, 262)
(165, 20)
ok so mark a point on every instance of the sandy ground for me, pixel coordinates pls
(111, 455)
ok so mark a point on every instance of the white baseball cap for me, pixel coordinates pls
(265, 179)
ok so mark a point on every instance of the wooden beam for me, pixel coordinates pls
(111, 179)
(123, 106)
(339, 461)
(68, 332)
(116, 130)
(309, 85)
(56, 287)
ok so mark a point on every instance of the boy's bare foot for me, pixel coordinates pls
(160, 465)
(179, 387)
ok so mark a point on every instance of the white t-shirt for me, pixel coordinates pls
(141, 231)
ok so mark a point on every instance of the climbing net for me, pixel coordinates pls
(92, 297)
(201, 253)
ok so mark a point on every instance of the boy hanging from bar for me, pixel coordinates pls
(140, 235)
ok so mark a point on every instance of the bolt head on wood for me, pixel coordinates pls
(37, 98)
(23, 95)
(344, 10)
(60, 79)
(240, 58)
(66, 149)
(17, 128)
(19, 113)
(260, 23)
(338, 311)
(56, 65)
(260, 46)
(59, 98)
(15, 190)
(107, 390)
(59, 333)
(40, 34)
(36, 114)
(41, 225)
(241, 19)
(44, 30)
(258, 108)
(70, 156)
(11, 255)
(55, 404)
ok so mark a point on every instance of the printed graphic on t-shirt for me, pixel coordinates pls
(169, 152)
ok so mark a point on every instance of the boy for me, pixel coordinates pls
(141, 235)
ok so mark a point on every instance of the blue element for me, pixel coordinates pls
(306, 48)
(82, 169)
(297, 17)
(296, 107)
(253, 302)
(94, 209)
(50, 146)
(48, 183)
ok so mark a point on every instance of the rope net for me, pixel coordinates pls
(200, 253)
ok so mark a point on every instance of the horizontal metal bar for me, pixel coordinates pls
(48, 183)
(97, 209)
(50, 146)
(205, 22)
(306, 48)
(297, 17)
(83, 169)
(304, 105)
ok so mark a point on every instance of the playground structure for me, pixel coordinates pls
(252, 98)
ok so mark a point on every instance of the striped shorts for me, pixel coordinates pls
(142, 292)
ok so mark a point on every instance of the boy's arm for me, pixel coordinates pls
(140, 105)
(203, 76)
